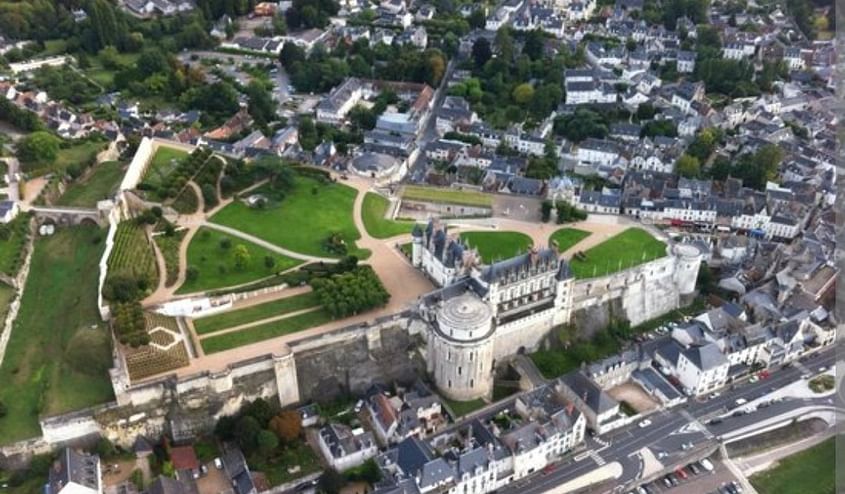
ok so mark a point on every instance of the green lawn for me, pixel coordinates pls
(496, 246)
(275, 465)
(58, 354)
(215, 263)
(373, 213)
(266, 331)
(303, 221)
(627, 249)
(447, 196)
(256, 313)
(567, 238)
(164, 161)
(101, 184)
(811, 471)
(462, 408)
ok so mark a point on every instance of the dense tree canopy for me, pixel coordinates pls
(350, 293)
(39, 147)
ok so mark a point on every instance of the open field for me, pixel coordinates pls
(266, 331)
(566, 238)
(622, 251)
(212, 255)
(446, 196)
(811, 471)
(303, 221)
(496, 246)
(101, 184)
(79, 154)
(373, 212)
(58, 354)
(253, 313)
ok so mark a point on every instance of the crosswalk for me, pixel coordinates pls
(694, 425)
(597, 458)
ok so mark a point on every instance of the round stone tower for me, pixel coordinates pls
(688, 260)
(460, 350)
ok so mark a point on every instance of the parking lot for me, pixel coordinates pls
(698, 480)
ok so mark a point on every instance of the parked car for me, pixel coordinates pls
(218, 464)
(644, 423)
(706, 464)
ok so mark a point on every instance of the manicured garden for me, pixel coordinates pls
(812, 471)
(101, 184)
(254, 313)
(630, 248)
(303, 221)
(566, 238)
(373, 214)
(169, 245)
(447, 196)
(496, 246)
(217, 260)
(266, 331)
(58, 353)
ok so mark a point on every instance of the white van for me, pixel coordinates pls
(707, 465)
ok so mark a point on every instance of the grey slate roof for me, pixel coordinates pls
(705, 357)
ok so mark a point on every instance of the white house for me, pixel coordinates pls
(75, 473)
(344, 448)
(702, 369)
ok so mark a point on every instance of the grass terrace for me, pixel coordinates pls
(624, 250)
(254, 313)
(462, 408)
(812, 471)
(13, 244)
(100, 184)
(261, 332)
(447, 196)
(303, 220)
(58, 353)
(495, 246)
(373, 213)
(214, 262)
(567, 238)
(71, 153)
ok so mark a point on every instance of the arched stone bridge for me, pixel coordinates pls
(68, 216)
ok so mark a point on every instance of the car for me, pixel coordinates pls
(694, 469)
(737, 486)
(687, 446)
(667, 482)
(806, 375)
(741, 401)
(753, 379)
(359, 405)
(662, 454)
(706, 464)
(204, 469)
(673, 479)
(641, 490)
(714, 421)
(645, 423)
(548, 469)
(822, 369)
(681, 473)
(218, 464)
(763, 374)
(714, 395)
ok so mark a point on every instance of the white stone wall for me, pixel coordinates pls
(463, 371)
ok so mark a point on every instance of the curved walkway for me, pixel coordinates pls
(263, 243)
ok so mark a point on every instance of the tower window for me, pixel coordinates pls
(472, 383)
(450, 383)
(459, 370)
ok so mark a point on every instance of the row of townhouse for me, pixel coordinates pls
(488, 452)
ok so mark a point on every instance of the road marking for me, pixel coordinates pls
(597, 458)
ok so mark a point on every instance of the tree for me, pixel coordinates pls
(351, 292)
(242, 257)
(291, 54)
(261, 106)
(523, 93)
(287, 425)
(504, 44)
(535, 42)
(481, 52)
(308, 138)
(331, 482)
(269, 262)
(39, 147)
(688, 166)
(246, 432)
(267, 442)
(477, 19)
(546, 210)
(3, 410)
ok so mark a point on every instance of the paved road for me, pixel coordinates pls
(672, 428)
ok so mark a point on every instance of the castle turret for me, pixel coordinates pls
(417, 246)
(460, 350)
(688, 259)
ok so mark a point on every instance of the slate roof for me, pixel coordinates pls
(73, 467)
(592, 395)
(705, 357)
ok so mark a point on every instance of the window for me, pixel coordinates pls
(472, 383)
(459, 370)
(450, 383)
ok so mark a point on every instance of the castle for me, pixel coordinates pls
(482, 314)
